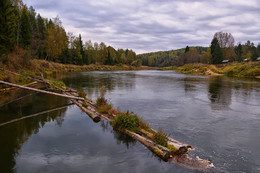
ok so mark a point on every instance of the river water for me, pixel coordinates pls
(219, 116)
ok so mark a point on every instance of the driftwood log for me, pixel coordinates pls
(42, 91)
(10, 88)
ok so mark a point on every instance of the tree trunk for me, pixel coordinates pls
(42, 91)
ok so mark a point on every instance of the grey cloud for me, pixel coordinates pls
(149, 25)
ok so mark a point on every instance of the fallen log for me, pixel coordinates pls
(11, 88)
(178, 148)
(160, 151)
(182, 147)
(42, 91)
(91, 114)
(36, 114)
(35, 78)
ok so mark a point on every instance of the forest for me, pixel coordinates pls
(26, 35)
(221, 48)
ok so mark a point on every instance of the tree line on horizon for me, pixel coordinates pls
(221, 48)
(27, 35)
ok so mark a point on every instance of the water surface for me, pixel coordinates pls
(219, 116)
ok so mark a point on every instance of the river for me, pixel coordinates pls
(219, 116)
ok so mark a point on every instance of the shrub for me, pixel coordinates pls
(105, 108)
(82, 93)
(129, 121)
(160, 138)
(101, 101)
(113, 111)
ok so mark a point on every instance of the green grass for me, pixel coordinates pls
(105, 108)
(249, 69)
(128, 121)
(101, 101)
(161, 138)
(58, 84)
(82, 93)
(242, 69)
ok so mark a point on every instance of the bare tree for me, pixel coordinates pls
(225, 40)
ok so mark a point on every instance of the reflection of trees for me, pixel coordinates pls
(14, 135)
(120, 137)
(91, 82)
(220, 92)
(247, 87)
(188, 84)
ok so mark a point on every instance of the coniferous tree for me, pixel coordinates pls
(109, 59)
(254, 54)
(82, 52)
(238, 51)
(25, 29)
(7, 27)
(41, 30)
(187, 49)
(216, 51)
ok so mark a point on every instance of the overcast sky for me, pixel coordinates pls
(152, 25)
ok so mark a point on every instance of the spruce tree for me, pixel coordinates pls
(7, 27)
(238, 51)
(187, 49)
(216, 51)
(25, 29)
(41, 31)
(109, 59)
(82, 52)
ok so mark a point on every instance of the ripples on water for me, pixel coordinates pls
(219, 116)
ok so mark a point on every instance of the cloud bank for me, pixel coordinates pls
(152, 25)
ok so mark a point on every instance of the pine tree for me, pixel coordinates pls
(82, 52)
(7, 27)
(25, 29)
(41, 33)
(187, 49)
(216, 51)
(109, 59)
(238, 51)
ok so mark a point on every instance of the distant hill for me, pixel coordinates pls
(171, 57)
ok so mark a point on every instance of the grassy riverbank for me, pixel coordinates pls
(46, 69)
(250, 69)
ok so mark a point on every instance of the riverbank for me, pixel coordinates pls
(46, 69)
(250, 69)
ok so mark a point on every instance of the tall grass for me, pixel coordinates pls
(128, 121)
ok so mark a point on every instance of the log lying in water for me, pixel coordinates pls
(160, 151)
(90, 107)
(42, 91)
(90, 113)
(8, 89)
(178, 147)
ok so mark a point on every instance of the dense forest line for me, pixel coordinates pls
(222, 48)
(27, 35)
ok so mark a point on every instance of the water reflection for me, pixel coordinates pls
(14, 135)
(219, 93)
(120, 137)
(184, 105)
(91, 82)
